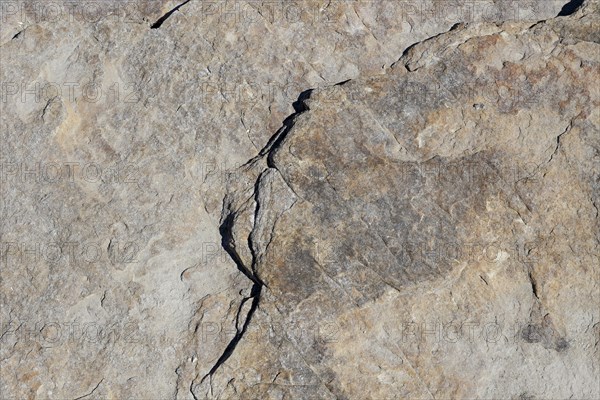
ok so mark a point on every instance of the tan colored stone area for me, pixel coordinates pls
(413, 228)
(423, 225)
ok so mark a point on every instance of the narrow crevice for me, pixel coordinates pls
(91, 392)
(228, 244)
(570, 8)
(192, 391)
(300, 107)
(251, 246)
(255, 296)
(534, 287)
(342, 83)
(17, 34)
(162, 19)
(228, 241)
(403, 58)
(275, 140)
(557, 147)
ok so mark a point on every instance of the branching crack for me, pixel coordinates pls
(228, 221)
(228, 245)
(228, 242)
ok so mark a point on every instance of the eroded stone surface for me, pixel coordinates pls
(118, 279)
(422, 248)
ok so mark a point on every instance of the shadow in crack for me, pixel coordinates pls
(570, 8)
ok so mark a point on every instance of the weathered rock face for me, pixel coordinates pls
(423, 230)
(412, 232)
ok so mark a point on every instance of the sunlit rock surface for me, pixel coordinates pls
(423, 225)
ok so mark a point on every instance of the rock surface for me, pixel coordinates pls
(426, 229)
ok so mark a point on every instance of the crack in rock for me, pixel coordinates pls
(162, 19)
(387, 178)
(228, 241)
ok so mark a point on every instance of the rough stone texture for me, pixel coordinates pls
(459, 187)
(446, 191)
